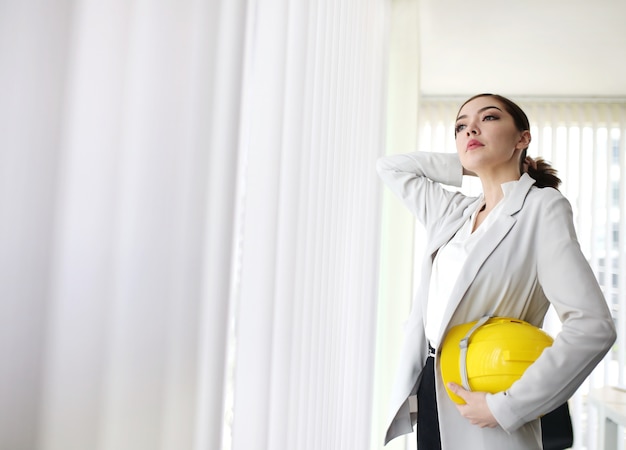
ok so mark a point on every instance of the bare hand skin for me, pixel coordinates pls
(469, 172)
(475, 409)
(529, 162)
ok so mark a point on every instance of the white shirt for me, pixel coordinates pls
(449, 262)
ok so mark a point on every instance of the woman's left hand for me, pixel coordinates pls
(475, 409)
(529, 162)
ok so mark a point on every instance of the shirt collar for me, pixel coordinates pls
(508, 187)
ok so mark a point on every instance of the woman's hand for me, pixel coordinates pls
(468, 172)
(529, 162)
(475, 409)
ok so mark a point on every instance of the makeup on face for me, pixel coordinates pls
(463, 118)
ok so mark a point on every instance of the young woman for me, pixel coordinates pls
(510, 252)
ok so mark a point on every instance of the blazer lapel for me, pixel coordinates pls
(449, 231)
(475, 260)
(440, 239)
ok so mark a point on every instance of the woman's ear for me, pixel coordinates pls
(524, 140)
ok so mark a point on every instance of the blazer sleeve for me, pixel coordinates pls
(588, 331)
(416, 178)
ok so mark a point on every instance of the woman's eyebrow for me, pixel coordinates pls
(480, 110)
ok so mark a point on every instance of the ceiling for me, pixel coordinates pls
(555, 48)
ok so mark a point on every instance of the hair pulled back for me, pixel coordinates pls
(543, 173)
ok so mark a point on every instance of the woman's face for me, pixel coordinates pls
(487, 139)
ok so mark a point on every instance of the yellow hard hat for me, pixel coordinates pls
(490, 354)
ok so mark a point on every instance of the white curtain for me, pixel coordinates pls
(585, 139)
(189, 219)
(307, 224)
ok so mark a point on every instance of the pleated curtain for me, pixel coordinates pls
(189, 222)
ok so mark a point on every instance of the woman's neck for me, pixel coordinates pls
(492, 186)
(492, 195)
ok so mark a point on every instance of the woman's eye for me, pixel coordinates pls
(490, 117)
(459, 128)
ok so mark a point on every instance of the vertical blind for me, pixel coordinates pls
(307, 220)
(189, 214)
(585, 140)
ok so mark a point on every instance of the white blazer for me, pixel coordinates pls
(529, 259)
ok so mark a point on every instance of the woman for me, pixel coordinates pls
(510, 252)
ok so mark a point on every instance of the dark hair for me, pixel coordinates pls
(544, 174)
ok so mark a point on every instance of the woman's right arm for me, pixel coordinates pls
(416, 178)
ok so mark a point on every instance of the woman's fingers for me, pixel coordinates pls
(475, 409)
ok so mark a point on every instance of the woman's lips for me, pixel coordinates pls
(471, 145)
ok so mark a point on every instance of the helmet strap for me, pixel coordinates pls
(464, 344)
